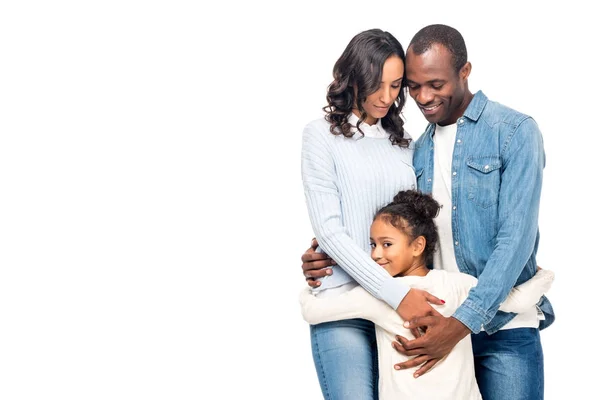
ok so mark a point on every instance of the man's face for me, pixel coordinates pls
(436, 87)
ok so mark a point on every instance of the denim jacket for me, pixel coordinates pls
(497, 168)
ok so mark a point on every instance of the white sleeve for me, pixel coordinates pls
(356, 303)
(524, 296)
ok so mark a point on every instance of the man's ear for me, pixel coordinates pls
(465, 71)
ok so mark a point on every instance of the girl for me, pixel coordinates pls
(403, 239)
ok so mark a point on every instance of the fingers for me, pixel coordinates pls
(412, 363)
(433, 299)
(313, 283)
(316, 266)
(402, 350)
(314, 244)
(422, 322)
(317, 273)
(416, 332)
(426, 367)
(417, 344)
(310, 256)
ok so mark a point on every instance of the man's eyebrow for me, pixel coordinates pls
(429, 81)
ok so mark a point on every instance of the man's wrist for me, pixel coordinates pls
(460, 327)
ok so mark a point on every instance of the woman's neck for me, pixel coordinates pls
(369, 120)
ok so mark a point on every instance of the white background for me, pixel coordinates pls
(151, 209)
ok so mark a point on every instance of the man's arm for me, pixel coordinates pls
(518, 223)
(518, 209)
(519, 299)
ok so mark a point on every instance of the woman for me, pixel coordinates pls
(354, 160)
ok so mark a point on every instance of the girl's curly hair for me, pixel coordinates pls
(413, 213)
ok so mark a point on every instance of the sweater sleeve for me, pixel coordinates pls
(356, 303)
(526, 295)
(323, 201)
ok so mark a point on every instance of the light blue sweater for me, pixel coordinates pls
(346, 180)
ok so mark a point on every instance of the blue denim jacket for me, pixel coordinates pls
(496, 185)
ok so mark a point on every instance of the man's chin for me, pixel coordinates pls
(431, 119)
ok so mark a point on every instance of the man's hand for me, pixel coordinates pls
(416, 304)
(440, 338)
(314, 265)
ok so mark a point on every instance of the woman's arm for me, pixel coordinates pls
(323, 200)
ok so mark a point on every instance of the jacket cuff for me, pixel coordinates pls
(470, 317)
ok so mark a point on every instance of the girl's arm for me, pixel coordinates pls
(356, 303)
(523, 297)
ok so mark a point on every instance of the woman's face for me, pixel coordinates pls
(378, 104)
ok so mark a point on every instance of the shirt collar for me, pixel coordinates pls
(375, 131)
(473, 111)
(476, 106)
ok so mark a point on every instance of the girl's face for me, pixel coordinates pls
(395, 251)
(378, 104)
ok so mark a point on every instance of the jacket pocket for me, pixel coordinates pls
(483, 180)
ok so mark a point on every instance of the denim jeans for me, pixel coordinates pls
(509, 364)
(345, 356)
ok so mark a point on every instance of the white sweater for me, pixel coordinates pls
(346, 180)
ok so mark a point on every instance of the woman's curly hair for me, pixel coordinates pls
(356, 75)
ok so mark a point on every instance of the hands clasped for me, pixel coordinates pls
(440, 337)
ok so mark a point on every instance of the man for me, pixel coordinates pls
(483, 162)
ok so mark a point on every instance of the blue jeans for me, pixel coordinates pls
(345, 356)
(509, 364)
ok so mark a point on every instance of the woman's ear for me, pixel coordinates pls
(418, 246)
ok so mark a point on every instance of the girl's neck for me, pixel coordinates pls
(416, 270)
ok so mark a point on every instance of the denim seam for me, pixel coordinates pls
(322, 370)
